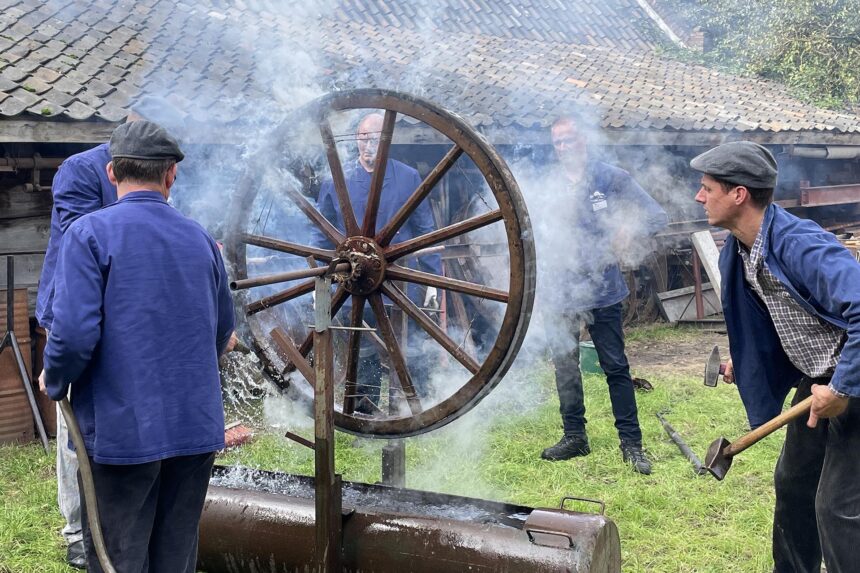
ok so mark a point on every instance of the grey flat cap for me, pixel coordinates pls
(739, 162)
(144, 140)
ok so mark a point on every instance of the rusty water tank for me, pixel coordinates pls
(16, 418)
(255, 521)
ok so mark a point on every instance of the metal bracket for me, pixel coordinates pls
(585, 499)
(530, 532)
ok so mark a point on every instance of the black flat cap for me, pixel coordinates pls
(739, 162)
(144, 140)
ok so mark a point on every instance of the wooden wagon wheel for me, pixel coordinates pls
(366, 261)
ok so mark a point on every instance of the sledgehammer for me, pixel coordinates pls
(721, 452)
(714, 368)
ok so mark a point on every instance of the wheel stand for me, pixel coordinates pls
(11, 340)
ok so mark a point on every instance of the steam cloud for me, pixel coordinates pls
(287, 73)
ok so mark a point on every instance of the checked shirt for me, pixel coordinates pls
(812, 344)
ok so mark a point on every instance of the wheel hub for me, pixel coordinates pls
(368, 265)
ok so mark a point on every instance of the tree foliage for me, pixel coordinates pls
(813, 46)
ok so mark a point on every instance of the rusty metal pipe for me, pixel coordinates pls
(286, 276)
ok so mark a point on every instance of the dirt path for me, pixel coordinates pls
(684, 356)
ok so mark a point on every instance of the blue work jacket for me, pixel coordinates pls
(142, 310)
(80, 186)
(399, 184)
(610, 191)
(822, 276)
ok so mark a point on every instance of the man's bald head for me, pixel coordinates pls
(369, 131)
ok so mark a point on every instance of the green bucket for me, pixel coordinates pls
(588, 361)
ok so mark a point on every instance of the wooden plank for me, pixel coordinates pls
(680, 304)
(28, 269)
(704, 244)
(23, 131)
(15, 203)
(25, 234)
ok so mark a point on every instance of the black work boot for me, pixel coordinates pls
(76, 555)
(569, 446)
(633, 454)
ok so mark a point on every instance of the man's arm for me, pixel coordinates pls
(635, 199)
(636, 218)
(832, 276)
(77, 191)
(326, 206)
(422, 223)
(226, 317)
(78, 299)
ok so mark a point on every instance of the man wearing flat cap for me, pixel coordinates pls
(791, 299)
(80, 186)
(142, 311)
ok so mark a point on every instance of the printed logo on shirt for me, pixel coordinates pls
(598, 201)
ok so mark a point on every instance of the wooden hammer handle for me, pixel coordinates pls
(767, 428)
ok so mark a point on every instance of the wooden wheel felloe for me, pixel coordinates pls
(369, 268)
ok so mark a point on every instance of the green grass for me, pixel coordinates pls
(671, 521)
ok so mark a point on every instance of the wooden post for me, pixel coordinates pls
(327, 482)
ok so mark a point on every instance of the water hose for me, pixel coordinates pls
(88, 486)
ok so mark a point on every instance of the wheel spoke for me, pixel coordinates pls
(291, 354)
(390, 229)
(406, 247)
(398, 273)
(368, 227)
(337, 179)
(314, 215)
(287, 247)
(431, 327)
(397, 359)
(281, 297)
(352, 355)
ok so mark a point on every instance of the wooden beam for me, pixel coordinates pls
(28, 269)
(34, 131)
(423, 135)
(27, 234)
(24, 131)
(704, 244)
(17, 203)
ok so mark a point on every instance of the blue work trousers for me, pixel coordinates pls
(605, 326)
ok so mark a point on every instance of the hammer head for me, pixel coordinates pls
(712, 368)
(716, 461)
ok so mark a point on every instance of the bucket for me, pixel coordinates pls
(588, 361)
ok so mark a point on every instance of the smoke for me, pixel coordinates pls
(233, 103)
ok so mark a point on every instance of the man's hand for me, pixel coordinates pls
(430, 300)
(825, 404)
(42, 387)
(729, 373)
(231, 344)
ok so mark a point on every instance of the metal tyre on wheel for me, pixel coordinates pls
(369, 266)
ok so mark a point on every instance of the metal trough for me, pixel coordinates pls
(256, 521)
